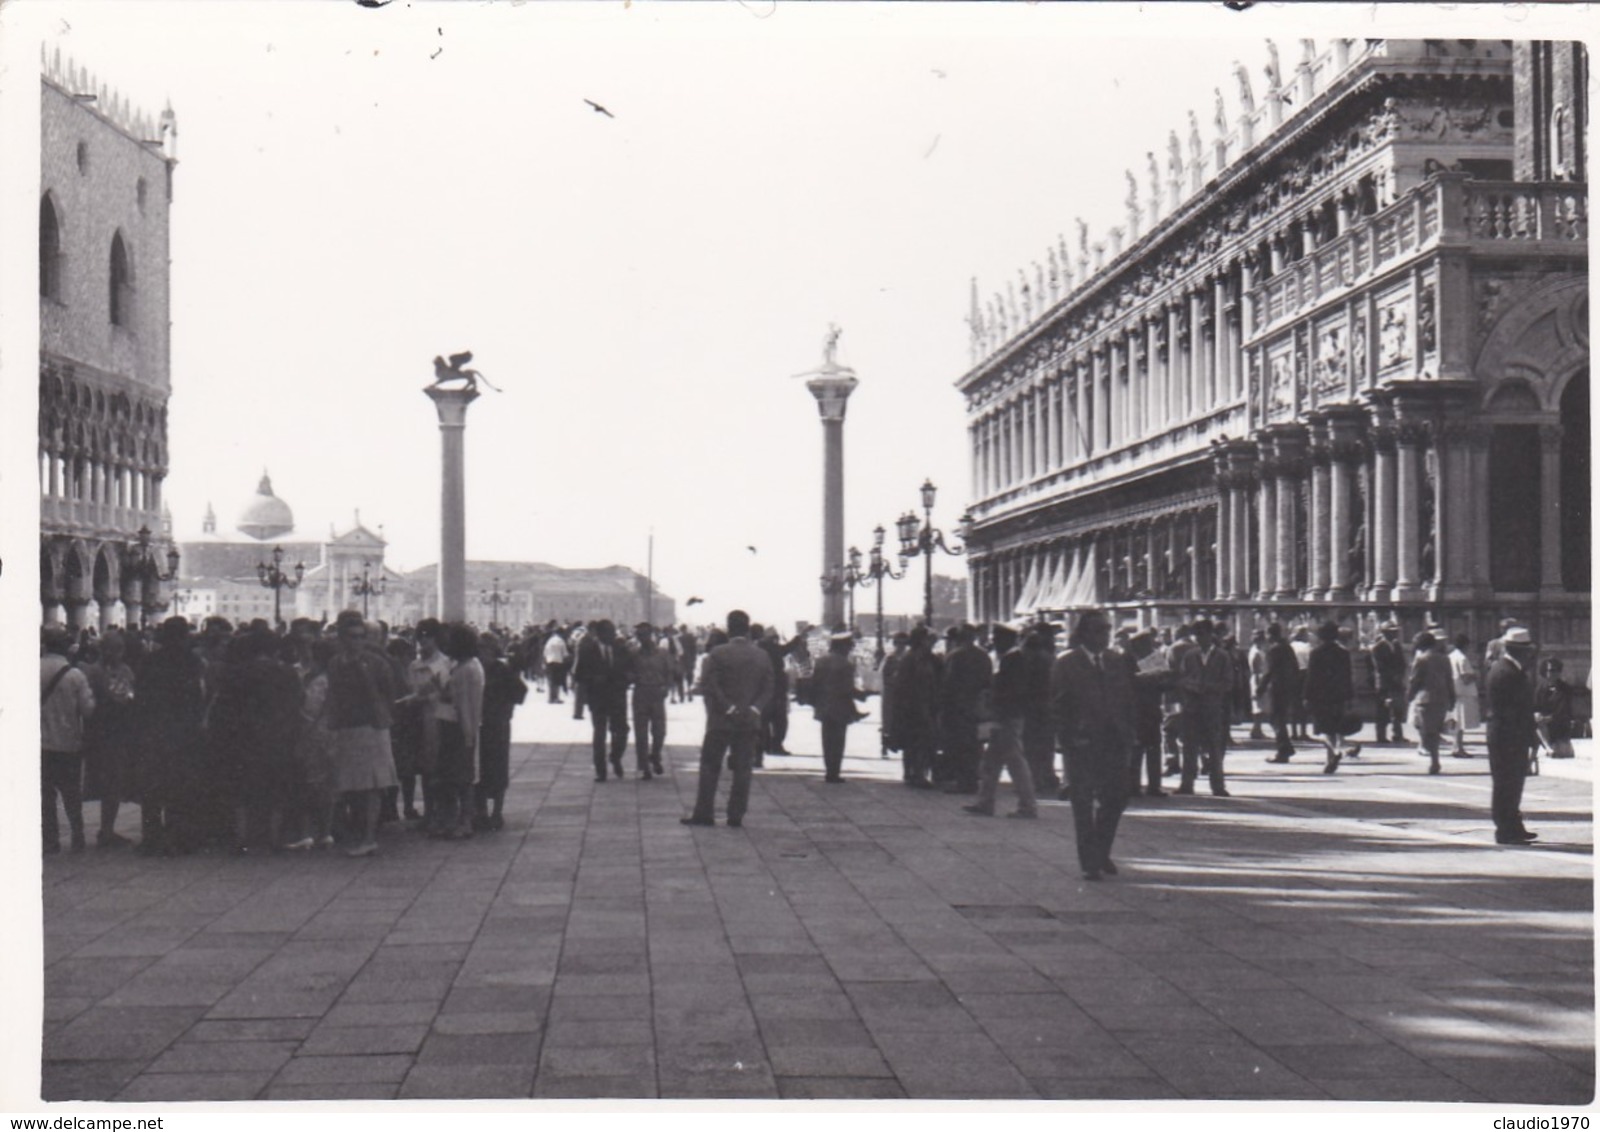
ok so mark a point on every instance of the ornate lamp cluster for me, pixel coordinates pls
(140, 564)
(494, 599)
(275, 578)
(921, 537)
(366, 588)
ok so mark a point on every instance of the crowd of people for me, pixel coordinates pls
(251, 739)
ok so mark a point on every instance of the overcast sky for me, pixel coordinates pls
(359, 190)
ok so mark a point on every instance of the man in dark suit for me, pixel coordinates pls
(1205, 681)
(1389, 681)
(968, 672)
(1281, 684)
(1508, 706)
(1091, 697)
(602, 672)
(736, 682)
(833, 700)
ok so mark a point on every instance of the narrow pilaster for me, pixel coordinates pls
(1550, 580)
(1385, 524)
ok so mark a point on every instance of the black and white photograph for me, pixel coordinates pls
(846, 555)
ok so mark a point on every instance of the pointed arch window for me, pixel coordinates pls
(49, 249)
(121, 283)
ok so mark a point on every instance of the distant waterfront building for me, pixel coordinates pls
(533, 593)
(1335, 363)
(104, 347)
(221, 568)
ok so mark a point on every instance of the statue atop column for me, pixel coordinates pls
(1132, 201)
(1154, 172)
(830, 347)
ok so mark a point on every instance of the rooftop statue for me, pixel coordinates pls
(1308, 52)
(1083, 238)
(830, 347)
(1221, 118)
(1273, 71)
(456, 371)
(1174, 156)
(1247, 100)
(1194, 138)
(1155, 181)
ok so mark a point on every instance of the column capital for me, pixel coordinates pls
(832, 390)
(451, 404)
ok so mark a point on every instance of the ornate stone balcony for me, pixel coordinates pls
(1449, 208)
(82, 518)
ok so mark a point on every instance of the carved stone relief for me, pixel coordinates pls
(1280, 385)
(1394, 337)
(1331, 370)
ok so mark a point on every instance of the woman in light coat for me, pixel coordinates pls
(1466, 679)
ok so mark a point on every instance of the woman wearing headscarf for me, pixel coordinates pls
(360, 711)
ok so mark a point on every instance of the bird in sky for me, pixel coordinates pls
(695, 601)
(751, 549)
(598, 109)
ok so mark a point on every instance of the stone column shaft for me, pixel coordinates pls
(1239, 528)
(1386, 520)
(1408, 518)
(1340, 534)
(451, 405)
(1288, 488)
(1318, 529)
(1267, 534)
(1550, 581)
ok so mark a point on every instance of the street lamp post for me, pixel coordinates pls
(494, 599)
(141, 565)
(878, 568)
(365, 588)
(924, 540)
(277, 579)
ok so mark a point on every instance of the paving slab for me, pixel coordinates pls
(1348, 937)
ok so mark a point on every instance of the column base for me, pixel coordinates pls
(1313, 594)
(1340, 594)
(1380, 593)
(1405, 591)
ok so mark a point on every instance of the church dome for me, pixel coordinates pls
(265, 516)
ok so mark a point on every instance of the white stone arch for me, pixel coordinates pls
(1540, 342)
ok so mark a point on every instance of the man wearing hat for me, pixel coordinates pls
(651, 673)
(968, 672)
(1389, 681)
(1508, 706)
(1091, 699)
(890, 667)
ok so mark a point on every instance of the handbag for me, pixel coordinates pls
(1561, 749)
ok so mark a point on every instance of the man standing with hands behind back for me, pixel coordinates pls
(1508, 704)
(1091, 697)
(736, 681)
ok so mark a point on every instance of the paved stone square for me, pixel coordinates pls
(1353, 937)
